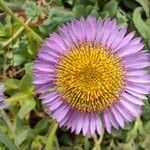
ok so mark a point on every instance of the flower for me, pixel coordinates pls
(92, 74)
(2, 97)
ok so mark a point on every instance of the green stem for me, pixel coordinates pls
(6, 119)
(97, 145)
(19, 71)
(16, 98)
(11, 13)
(15, 35)
(50, 140)
(98, 142)
(101, 137)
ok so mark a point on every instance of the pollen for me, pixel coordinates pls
(89, 77)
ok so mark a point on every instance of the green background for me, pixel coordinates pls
(25, 125)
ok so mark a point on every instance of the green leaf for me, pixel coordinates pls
(41, 125)
(29, 4)
(18, 59)
(27, 106)
(56, 143)
(20, 54)
(86, 143)
(6, 29)
(140, 126)
(88, 10)
(21, 131)
(11, 84)
(146, 142)
(33, 45)
(32, 10)
(139, 23)
(117, 134)
(148, 22)
(26, 82)
(37, 144)
(16, 98)
(141, 26)
(130, 4)
(81, 10)
(57, 16)
(65, 139)
(133, 133)
(111, 7)
(147, 127)
(104, 15)
(21, 136)
(121, 17)
(8, 143)
(146, 6)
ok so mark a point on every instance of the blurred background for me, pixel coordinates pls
(25, 125)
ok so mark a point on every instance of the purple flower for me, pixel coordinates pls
(92, 74)
(2, 97)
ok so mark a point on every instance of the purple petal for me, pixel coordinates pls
(101, 32)
(112, 120)
(140, 79)
(118, 117)
(125, 40)
(92, 124)
(99, 29)
(75, 122)
(131, 50)
(55, 104)
(108, 31)
(132, 99)
(65, 36)
(132, 108)
(65, 120)
(140, 96)
(60, 113)
(91, 27)
(123, 112)
(86, 124)
(56, 43)
(98, 124)
(137, 89)
(107, 121)
(119, 38)
(80, 123)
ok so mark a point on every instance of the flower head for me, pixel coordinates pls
(2, 97)
(92, 74)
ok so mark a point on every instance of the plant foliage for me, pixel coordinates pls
(25, 125)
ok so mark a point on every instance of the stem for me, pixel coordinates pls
(97, 145)
(98, 142)
(11, 13)
(102, 135)
(16, 98)
(19, 71)
(15, 35)
(51, 136)
(6, 119)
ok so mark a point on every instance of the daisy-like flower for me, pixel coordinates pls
(2, 97)
(92, 74)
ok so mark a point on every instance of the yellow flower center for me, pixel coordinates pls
(89, 77)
